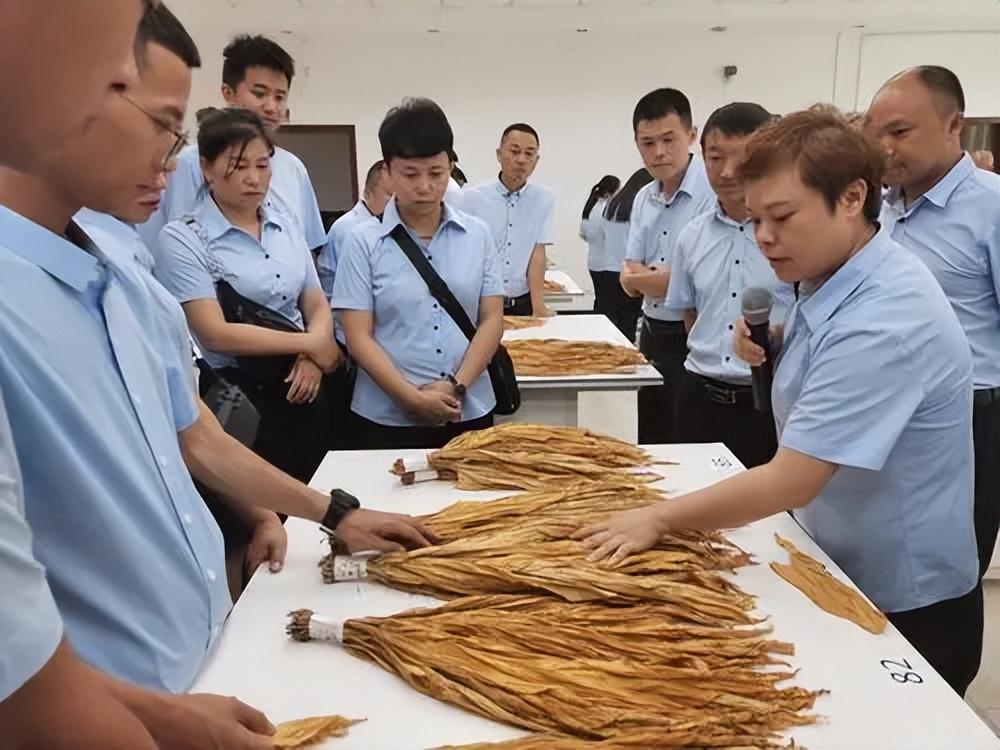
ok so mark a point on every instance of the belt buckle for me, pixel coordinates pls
(724, 396)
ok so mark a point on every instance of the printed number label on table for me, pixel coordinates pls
(901, 671)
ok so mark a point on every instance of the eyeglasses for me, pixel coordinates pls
(180, 137)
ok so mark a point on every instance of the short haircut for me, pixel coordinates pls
(246, 51)
(374, 172)
(944, 84)
(228, 128)
(735, 120)
(520, 127)
(829, 154)
(416, 129)
(159, 26)
(660, 103)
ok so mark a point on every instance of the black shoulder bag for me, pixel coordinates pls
(501, 367)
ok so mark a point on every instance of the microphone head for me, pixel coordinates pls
(757, 303)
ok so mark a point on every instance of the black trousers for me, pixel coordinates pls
(368, 435)
(611, 301)
(518, 305)
(664, 344)
(949, 635)
(986, 438)
(710, 411)
(293, 437)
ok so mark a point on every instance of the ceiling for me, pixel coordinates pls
(592, 16)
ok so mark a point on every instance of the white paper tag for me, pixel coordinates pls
(350, 567)
(416, 464)
(326, 629)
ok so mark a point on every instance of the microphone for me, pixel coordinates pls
(757, 312)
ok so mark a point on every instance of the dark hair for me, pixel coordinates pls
(246, 51)
(658, 104)
(158, 25)
(829, 152)
(458, 176)
(226, 128)
(944, 84)
(619, 208)
(374, 172)
(201, 114)
(416, 129)
(606, 186)
(736, 119)
(520, 127)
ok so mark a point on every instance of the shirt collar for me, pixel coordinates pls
(942, 191)
(721, 216)
(390, 218)
(53, 253)
(819, 306)
(503, 191)
(214, 222)
(688, 183)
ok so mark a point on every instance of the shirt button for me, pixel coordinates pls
(435, 328)
(277, 275)
(210, 573)
(283, 297)
(734, 294)
(163, 460)
(187, 518)
(727, 359)
(438, 351)
(664, 232)
(266, 256)
(741, 229)
(737, 262)
(730, 326)
(902, 219)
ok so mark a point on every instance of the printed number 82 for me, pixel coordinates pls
(906, 673)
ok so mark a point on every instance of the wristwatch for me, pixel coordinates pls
(341, 503)
(460, 388)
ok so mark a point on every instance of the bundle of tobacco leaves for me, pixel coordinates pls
(312, 731)
(553, 287)
(520, 322)
(585, 671)
(553, 357)
(528, 456)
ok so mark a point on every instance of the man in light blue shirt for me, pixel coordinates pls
(947, 212)
(256, 75)
(872, 400)
(376, 194)
(664, 133)
(520, 217)
(715, 260)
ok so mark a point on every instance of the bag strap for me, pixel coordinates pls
(437, 286)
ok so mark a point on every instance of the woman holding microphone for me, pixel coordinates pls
(871, 400)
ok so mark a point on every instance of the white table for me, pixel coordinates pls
(569, 287)
(865, 710)
(606, 403)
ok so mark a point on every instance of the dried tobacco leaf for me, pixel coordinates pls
(553, 287)
(520, 322)
(587, 671)
(553, 357)
(812, 578)
(526, 456)
(311, 731)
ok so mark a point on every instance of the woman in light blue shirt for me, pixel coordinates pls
(592, 232)
(420, 380)
(872, 400)
(234, 243)
(615, 220)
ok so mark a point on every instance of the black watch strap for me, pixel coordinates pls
(341, 503)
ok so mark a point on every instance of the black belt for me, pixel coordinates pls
(663, 326)
(726, 394)
(986, 395)
(514, 301)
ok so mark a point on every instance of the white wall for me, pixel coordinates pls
(577, 89)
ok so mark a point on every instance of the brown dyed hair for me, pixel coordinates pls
(830, 155)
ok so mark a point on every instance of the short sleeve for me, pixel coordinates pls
(352, 289)
(326, 263)
(181, 267)
(30, 625)
(492, 271)
(634, 249)
(312, 222)
(680, 292)
(857, 397)
(546, 234)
